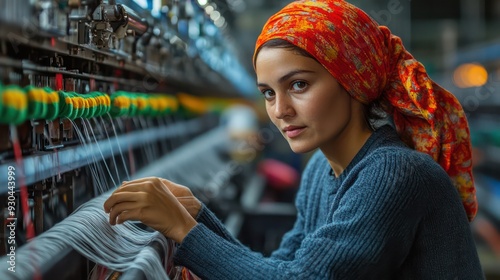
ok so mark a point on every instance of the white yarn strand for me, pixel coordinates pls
(87, 230)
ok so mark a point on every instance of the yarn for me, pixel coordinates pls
(87, 230)
(15, 105)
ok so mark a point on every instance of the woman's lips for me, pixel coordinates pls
(292, 132)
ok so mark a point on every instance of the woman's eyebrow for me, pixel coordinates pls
(287, 76)
(293, 73)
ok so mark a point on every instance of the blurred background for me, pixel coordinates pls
(96, 92)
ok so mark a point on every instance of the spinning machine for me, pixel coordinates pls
(96, 92)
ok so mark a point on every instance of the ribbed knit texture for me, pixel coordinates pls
(392, 214)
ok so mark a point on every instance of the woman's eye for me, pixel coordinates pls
(299, 85)
(268, 94)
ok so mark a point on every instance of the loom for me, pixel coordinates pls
(93, 93)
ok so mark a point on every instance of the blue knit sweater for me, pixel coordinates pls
(392, 214)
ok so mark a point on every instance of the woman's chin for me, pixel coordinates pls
(301, 149)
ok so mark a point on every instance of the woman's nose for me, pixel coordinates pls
(283, 107)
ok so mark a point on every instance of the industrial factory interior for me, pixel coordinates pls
(94, 93)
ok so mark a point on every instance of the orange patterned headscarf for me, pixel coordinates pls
(372, 64)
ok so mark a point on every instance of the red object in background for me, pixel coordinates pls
(488, 233)
(59, 82)
(118, 74)
(279, 175)
(92, 84)
(477, 156)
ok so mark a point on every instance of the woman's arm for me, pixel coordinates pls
(212, 222)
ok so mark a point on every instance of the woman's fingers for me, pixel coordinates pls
(119, 197)
(140, 180)
(176, 189)
(191, 204)
(129, 215)
(124, 211)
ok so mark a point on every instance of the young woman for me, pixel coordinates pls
(374, 202)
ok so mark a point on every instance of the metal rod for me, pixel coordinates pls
(38, 209)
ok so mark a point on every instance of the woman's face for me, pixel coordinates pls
(303, 100)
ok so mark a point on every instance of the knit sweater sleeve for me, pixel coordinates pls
(210, 220)
(362, 240)
(292, 239)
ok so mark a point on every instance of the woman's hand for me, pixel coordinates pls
(151, 202)
(185, 197)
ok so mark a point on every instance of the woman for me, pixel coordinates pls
(374, 202)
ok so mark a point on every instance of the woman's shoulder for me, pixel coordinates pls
(395, 166)
(388, 149)
(402, 161)
(395, 156)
